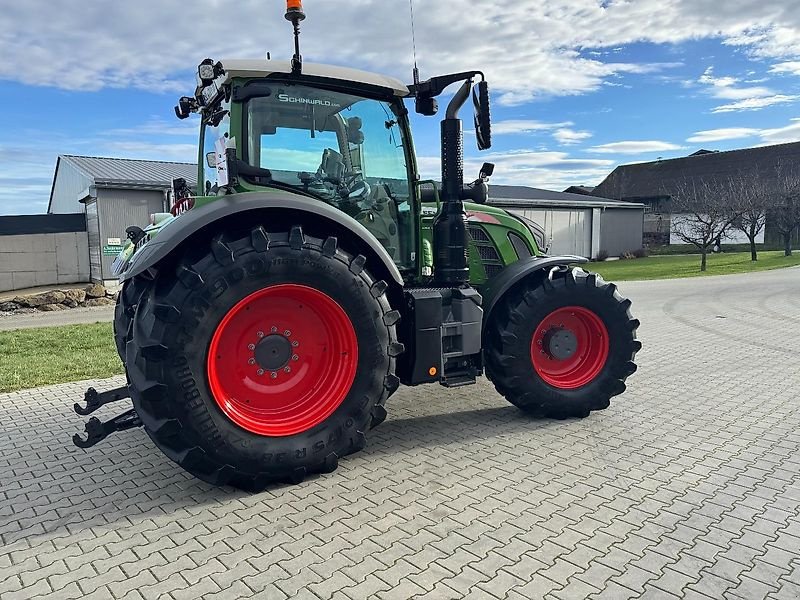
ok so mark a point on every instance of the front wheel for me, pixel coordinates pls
(562, 348)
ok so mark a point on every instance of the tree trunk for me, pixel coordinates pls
(703, 254)
(787, 244)
(752, 237)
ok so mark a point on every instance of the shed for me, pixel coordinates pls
(577, 224)
(113, 193)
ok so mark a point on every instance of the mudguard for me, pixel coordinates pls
(176, 232)
(501, 283)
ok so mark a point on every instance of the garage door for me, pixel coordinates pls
(570, 231)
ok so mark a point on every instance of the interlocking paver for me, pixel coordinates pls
(687, 486)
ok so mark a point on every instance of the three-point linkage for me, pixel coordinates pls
(97, 430)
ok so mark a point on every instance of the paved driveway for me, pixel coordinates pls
(688, 485)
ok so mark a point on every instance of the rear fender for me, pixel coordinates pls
(499, 285)
(246, 208)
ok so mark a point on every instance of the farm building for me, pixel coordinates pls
(113, 193)
(655, 183)
(577, 224)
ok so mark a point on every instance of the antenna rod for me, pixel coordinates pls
(413, 43)
(295, 14)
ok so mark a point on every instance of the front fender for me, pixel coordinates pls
(192, 221)
(500, 284)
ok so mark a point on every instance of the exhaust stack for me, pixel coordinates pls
(450, 225)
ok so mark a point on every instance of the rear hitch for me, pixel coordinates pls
(95, 399)
(97, 430)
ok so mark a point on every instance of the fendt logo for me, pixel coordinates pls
(315, 101)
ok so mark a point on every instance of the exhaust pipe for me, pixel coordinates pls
(450, 225)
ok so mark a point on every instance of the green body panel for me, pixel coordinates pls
(496, 223)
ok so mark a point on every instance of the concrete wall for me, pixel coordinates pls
(43, 259)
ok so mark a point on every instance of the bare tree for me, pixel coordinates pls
(785, 207)
(701, 213)
(749, 195)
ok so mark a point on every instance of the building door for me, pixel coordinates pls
(93, 230)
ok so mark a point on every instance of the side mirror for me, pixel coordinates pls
(211, 159)
(483, 122)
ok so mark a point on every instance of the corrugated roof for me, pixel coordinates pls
(659, 178)
(522, 192)
(137, 173)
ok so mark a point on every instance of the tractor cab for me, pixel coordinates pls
(337, 135)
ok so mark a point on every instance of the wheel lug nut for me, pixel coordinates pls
(273, 374)
(287, 333)
(295, 343)
(251, 346)
(273, 329)
(287, 369)
(261, 371)
(295, 357)
(260, 334)
(252, 361)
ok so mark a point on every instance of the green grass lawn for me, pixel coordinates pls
(43, 356)
(669, 267)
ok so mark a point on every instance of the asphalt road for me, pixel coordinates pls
(71, 316)
(688, 486)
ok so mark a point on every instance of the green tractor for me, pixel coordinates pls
(264, 324)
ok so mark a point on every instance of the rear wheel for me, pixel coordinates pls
(564, 347)
(265, 359)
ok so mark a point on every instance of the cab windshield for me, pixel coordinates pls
(344, 149)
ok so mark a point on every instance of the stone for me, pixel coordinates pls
(70, 303)
(52, 307)
(9, 306)
(76, 295)
(95, 290)
(36, 300)
(98, 302)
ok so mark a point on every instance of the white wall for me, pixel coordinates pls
(732, 236)
(43, 259)
(569, 229)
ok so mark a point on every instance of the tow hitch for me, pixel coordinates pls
(97, 430)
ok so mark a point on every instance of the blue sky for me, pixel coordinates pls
(579, 86)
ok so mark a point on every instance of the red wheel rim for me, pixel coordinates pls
(282, 360)
(569, 347)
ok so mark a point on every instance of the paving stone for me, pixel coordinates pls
(687, 485)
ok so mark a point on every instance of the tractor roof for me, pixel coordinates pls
(262, 68)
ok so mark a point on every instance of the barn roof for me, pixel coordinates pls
(659, 178)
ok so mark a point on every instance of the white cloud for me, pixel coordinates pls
(746, 98)
(754, 103)
(526, 49)
(718, 135)
(634, 147)
(778, 135)
(782, 135)
(543, 169)
(516, 126)
(792, 67)
(567, 137)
